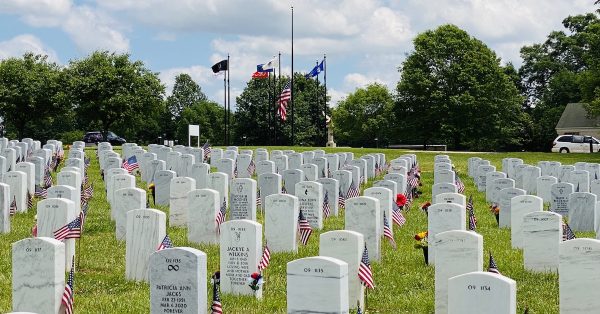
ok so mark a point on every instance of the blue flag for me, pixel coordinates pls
(316, 70)
(259, 68)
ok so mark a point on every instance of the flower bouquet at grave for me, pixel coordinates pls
(495, 209)
(400, 200)
(421, 238)
(255, 281)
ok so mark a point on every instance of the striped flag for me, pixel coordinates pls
(365, 274)
(387, 231)
(304, 228)
(235, 170)
(460, 186)
(131, 164)
(568, 233)
(397, 216)
(472, 218)
(286, 95)
(251, 167)
(258, 200)
(13, 206)
(47, 178)
(216, 307)
(493, 267)
(207, 150)
(221, 215)
(69, 294)
(353, 191)
(341, 199)
(413, 181)
(34, 230)
(265, 259)
(326, 209)
(72, 230)
(165, 244)
(29, 200)
(41, 192)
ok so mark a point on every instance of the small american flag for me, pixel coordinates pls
(235, 170)
(265, 259)
(85, 180)
(34, 230)
(69, 293)
(304, 228)
(251, 167)
(29, 200)
(216, 307)
(568, 233)
(283, 189)
(353, 191)
(258, 200)
(83, 214)
(13, 206)
(86, 162)
(206, 148)
(286, 95)
(165, 244)
(409, 198)
(47, 178)
(326, 209)
(131, 164)
(221, 215)
(413, 181)
(397, 216)
(88, 192)
(72, 230)
(472, 218)
(341, 199)
(41, 192)
(459, 184)
(365, 274)
(387, 231)
(493, 267)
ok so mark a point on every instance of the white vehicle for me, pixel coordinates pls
(575, 144)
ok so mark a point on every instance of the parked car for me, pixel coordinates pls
(575, 144)
(96, 137)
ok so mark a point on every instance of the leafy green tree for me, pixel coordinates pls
(31, 97)
(256, 106)
(111, 92)
(454, 91)
(185, 94)
(563, 69)
(364, 115)
(208, 115)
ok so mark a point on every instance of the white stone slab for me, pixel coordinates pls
(579, 276)
(146, 229)
(443, 217)
(178, 200)
(542, 232)
(482, 293)
(281, 220)
(520, 206)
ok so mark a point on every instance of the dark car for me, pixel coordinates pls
(96, 137)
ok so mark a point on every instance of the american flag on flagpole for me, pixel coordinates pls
(397, 216)
(69, 294)
(216, 307)
(13, 206)
(131, 164)
(459, 184)
(326, 209)
(568, 233)
(304, 228)
(387, 231)
(472, 218)
(365, 274)
(353, 191)
(207, 150)
(493, 267)
(286, 95)
(40, 192)
(265, 259)
(72, 230)
(221, 215)
(166, 243)
(251, 167)
(341, 199)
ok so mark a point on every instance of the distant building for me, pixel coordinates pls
(574, 120)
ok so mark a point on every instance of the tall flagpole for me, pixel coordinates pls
(228, 101)
(292, 81)
(325, 83)
(317, 90)
(225, 104)
(278, 93)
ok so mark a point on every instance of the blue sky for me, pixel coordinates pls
(365, 40)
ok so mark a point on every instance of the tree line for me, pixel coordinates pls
(452, 89)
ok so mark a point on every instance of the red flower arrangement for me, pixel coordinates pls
(400, 200)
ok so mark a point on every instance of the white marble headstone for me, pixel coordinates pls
(146, 229)
(520, 206)
(281, 219)
(178, 200)
(443, 217)
(579, 276)
(542, 232)
(242, 199)
(204, 204)
(363, 216)
(482, 293)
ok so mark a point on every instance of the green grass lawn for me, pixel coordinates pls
(403, 283)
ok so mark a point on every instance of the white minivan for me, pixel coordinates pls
(575, 144)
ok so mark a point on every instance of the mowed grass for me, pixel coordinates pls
(403, 283)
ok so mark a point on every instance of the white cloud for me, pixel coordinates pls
(92, 30)
(40, 13)
(18, 45)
